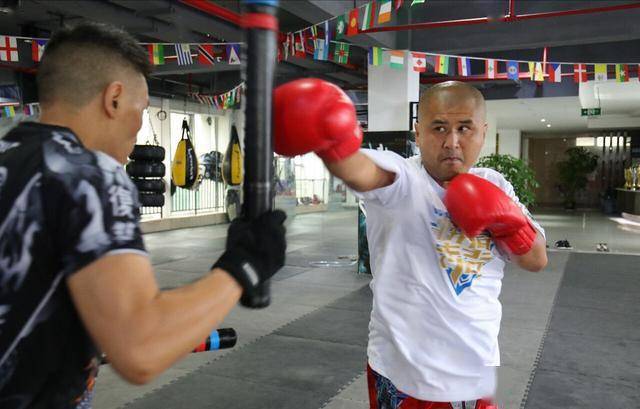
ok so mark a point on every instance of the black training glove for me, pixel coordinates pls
(255, 249)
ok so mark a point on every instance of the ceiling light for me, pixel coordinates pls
(543, 120)
(548, 125)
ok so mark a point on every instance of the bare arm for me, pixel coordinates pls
(360, 173)
(534, 260)
(141, 329)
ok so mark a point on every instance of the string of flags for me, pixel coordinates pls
(9, 111)
(488, 68)
(228, 100)
(159, 53)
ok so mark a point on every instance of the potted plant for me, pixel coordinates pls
(517, 172)
(573, 171)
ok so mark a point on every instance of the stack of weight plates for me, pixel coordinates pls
(147, 171)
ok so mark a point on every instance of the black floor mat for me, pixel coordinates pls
(301, 365)
(591, 355)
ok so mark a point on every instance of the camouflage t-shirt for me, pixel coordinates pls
(61, 208)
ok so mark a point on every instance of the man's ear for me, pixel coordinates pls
(110, 97)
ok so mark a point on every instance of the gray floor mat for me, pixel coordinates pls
(301, 365)
(591, 355)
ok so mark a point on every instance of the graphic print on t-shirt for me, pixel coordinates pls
(459, 257)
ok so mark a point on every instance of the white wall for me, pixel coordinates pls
(489, 146)
(389, 94)
(510, 142)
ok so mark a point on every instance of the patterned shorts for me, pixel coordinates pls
(384, 395)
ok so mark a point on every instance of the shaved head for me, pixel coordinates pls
(450, 92)
(451, 129)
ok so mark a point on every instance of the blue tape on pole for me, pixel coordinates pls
(273, 3)
(215, 340)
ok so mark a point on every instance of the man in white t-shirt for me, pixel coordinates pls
(439, 234)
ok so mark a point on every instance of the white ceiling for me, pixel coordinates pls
(562, 113)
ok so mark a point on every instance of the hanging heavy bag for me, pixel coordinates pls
(184, 169)
(232, 163)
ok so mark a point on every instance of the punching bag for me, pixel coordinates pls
(184, 170)
(232, 163)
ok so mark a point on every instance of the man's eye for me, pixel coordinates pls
(439, 129)
(465, 128)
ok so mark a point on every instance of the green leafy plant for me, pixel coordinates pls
(517, 172)
(573, 171)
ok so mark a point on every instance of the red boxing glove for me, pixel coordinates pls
(475, 205)
(315, 115)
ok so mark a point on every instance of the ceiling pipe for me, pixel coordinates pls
(215, 10)
(510, 17)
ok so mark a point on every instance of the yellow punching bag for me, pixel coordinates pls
(232, 164)
(184, 169)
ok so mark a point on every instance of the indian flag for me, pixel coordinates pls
(396, 59)
(156, 54)
(384, 15)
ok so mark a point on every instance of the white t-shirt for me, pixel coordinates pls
(436, 314)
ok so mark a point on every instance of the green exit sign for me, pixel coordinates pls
(590, 111)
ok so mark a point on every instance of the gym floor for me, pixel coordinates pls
(569, 336)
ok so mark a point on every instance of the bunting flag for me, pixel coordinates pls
(314, 39)
(419, 62)
(292, 44)
(384, 15)
(8, 49)
(538, 73)
(579, 73)
(37, 49)
(396, 59)
(555, 72)
(205, 54)
(464, 66)
(285, 48)
(399, 4)
(622, 72)
(442, 64)
(299, 45)
(490, 68)
(341, 54)
(369, 15)
(601, 72)
(513, 70)
(321, 51)
(327, 40)
(233, 54)
(183, 53)
(375, 56)
(9, 111)
(341, 27)
(352, 28)
(414, 2)
(532, 69)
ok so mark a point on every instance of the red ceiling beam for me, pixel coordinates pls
(215, 10)
(507, 18)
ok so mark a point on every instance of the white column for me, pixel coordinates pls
(510, 142)
(165, 142)
(489, 147)
(390, 92)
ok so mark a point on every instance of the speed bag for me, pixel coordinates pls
(184, 169)
(232, 162)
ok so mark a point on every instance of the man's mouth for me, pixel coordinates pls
(451, 159)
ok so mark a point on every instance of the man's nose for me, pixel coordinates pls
(452, 140)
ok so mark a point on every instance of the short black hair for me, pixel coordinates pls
(79, 61)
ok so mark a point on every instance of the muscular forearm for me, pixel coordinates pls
(536, 258)
(360, 173)
(176, 321)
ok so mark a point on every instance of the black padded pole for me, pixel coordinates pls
(260, 23)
